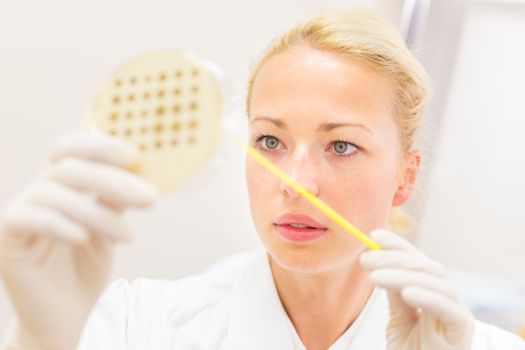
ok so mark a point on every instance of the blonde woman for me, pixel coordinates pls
(336, 102)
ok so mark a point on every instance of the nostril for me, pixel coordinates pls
(310, 185)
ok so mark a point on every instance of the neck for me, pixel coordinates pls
(322, 305)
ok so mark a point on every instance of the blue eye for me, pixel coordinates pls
(269, 142)
(343, 148)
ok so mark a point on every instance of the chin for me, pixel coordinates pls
(312, 259)
(299, 260)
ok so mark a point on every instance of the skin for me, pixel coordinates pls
(357, 168)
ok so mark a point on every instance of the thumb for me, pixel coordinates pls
(402, 318)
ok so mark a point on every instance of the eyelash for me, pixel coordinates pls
(259, 137)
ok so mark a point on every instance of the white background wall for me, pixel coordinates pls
(472, 199)
(54, 55)
(475, 203)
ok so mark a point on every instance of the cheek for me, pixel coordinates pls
(260, 184)
(363, 196)
(253, 178)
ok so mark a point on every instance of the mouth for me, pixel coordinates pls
(299, 227)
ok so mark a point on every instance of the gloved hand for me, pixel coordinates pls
(425, 310)
(57, 237)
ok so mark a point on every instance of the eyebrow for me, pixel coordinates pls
(325, 127)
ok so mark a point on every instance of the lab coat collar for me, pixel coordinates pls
(257, 320)
(252, 317)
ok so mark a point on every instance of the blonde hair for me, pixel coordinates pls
(362, 35)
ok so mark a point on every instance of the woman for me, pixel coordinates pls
(336, 103)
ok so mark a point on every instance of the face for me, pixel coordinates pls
(327, 121)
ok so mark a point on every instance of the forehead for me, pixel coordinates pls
(307, 82)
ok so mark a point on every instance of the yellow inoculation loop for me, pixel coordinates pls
(153, 87)
(319, 204)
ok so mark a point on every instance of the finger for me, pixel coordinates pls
(97, 146)
(391, 259)
(30, 220)
(444, 309)
(397, 279)
(392, 241)
(401, 314)
(84, 210)
(113, 185)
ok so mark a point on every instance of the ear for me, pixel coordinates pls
(407, 178)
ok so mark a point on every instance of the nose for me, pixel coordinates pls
(303, 169)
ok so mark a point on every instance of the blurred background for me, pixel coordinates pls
(55, 54)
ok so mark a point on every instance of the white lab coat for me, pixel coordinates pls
(234, 308)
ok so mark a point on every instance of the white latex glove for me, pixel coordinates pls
(57, 237)
(425, 310)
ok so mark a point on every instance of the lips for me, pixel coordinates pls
(298, 219)
(299, 227)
